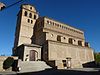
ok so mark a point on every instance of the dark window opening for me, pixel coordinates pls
(70, 41)
(30, 15)
(31, 21)
(74, 40)
(34, 16)
(27, 55)
(64, 63)
(80, 43)
(25, 14)
(47, 21)
(59, 38)
(30, 7)
(86, 44)
(28, 21)
(64, 38)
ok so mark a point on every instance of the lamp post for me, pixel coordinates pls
(2, 6)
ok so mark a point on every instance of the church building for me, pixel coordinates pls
(44, 39)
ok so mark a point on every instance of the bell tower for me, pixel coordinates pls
(26, 19)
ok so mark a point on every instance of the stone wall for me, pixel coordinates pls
(60, 51)
(23, 51)
(25, 24)
(51, 35)
(62, 28)
(27, 52)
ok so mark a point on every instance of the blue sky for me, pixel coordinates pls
(82, 14)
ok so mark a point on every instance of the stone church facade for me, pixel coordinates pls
(44, 39)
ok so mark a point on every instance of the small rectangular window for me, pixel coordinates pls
(70, 40)
(80, 43)
(86, 44)
(59, 38)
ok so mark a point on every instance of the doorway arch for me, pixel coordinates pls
(33, 55)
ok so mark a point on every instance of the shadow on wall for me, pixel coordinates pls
(92, 64)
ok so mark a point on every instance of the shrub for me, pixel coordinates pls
(8, 63)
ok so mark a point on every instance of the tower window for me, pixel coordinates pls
(34, 16)
(25, 13)
(30, 7)
(80, 43)
(30, 15)
(70, 40)
(47, 21)
(86, 44)
(59, 38)
(31, 21)
(64, 38)
(28, 20)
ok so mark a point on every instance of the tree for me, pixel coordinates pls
(8, 63)
(97, 58)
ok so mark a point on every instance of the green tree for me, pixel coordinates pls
(8, 62)
(97, 57)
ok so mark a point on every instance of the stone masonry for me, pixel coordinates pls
(56, 43)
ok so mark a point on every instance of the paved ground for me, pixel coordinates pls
(8, 73)
(58, 72)
(62, 72)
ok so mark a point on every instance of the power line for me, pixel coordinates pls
(12, 5)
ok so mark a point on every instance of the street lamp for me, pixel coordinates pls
(2, 6)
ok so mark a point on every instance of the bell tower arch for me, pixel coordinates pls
(26, 20)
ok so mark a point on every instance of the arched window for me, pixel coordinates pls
(80, 43)
(25, 13)
(30, 15)
(59, 38)
(28, 20)
(47, 21)
(86, 44)
(31, 21)
(70, 40)
(34, 16)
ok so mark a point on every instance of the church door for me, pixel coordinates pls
(32, 55)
